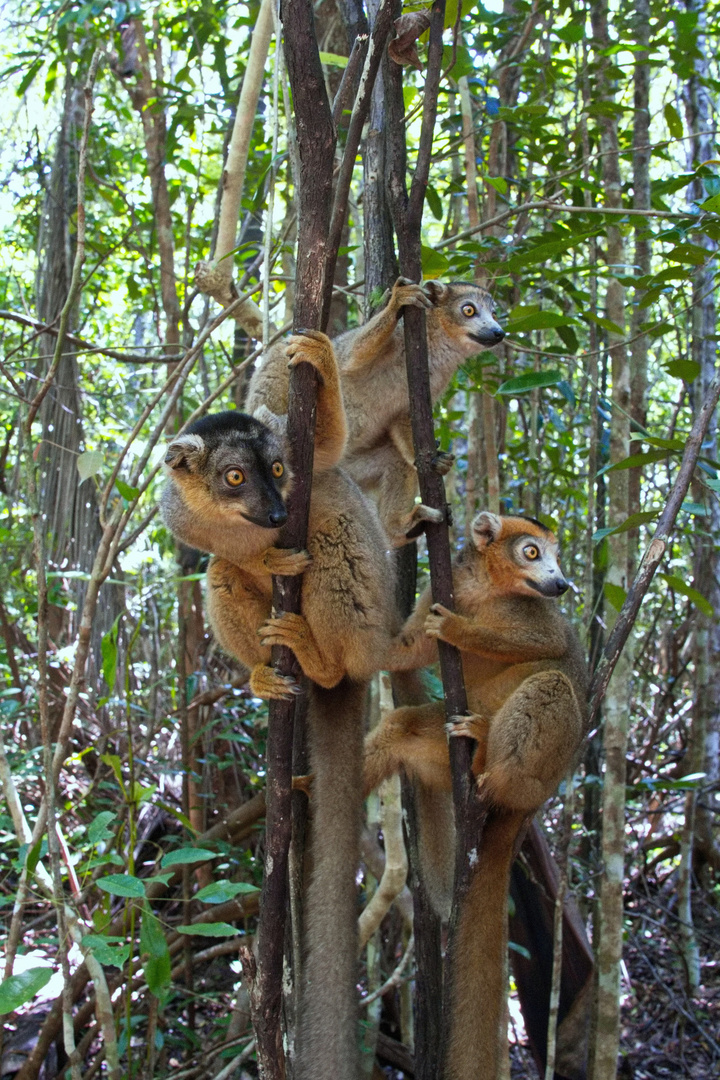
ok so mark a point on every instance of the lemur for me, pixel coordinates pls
(526, 681)
(228, 480)
(379, 455)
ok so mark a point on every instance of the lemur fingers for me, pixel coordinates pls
(443, 462)
(472, 726)
(406, 293)
(435, 624)
(288, 562)
(311, 347)
(303, 783)
(266, 682)
(286, 629)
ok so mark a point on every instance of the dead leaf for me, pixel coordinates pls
(409, 27)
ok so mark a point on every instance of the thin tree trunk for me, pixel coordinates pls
(605, 1044)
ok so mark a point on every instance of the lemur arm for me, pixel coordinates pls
(508, 642)
(369, 340)
(412, 648)
(331, 430)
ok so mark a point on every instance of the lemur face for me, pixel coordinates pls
(231, 466)
(471, 310)
(520, 554)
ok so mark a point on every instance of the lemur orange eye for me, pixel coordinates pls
(277, 469)
(468, 310)
(530, 552)
(235, 477)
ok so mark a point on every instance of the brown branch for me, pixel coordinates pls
(653, 555)
(361, 108)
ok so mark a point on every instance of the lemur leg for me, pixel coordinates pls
(237, 606)
(396, 502)
(293, 630)
(410, 738)
(531, 742)
(474, 727)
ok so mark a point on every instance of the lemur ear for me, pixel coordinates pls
(184, 451)
(277, 424)
(485, 528)
(435, 291)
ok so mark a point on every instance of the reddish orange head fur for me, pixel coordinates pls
(519, 554)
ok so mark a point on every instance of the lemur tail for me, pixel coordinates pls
(327, 1035)
(479, 979)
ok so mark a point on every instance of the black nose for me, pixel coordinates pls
(498, 334)
(277, 517)
(562, 586)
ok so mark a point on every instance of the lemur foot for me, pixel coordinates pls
(434, 621)
(406, 293)
(303, 783)
(443, 462)
(311, 347)
(471, 726)
(266, 682)
(289, 562)
(286, 629)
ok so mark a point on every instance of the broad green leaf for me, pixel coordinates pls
(541, 320)
(636, 460)
(632, 522)
(98, 828)
(142, 794)
(673, 121)
(126, 491)
(121, 885)
(571, 35)
(434, 263)
(678, 585)
(17, 989)
(221, 891)
(152, 938)
(687, 370)
(713, 204)
(531, 380)
(333, 59)
(112, 951)
(33, 856)
(187, 855)
(498, 182)
(89, 463)
(115, 764)
(109, 651)
(213, 929)
(158, 975)
(615, 594)
(434, 202)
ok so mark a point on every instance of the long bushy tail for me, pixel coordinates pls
(434, 812)
(479, 974)
(327, 1041)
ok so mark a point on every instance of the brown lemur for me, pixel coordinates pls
(228, 481)
(379, 455)
(526, 682)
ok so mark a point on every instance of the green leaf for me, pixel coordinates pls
(541, 320)
(121, 885)
(636, 460)
(333, 59)
(673, 121)
(98, 828)
(187, 855)
(678, 585)
(158, 975)
(33, 856)
(221, 891)
(519, 949)
(28, 79)
(111, 951)
(434, 202)
(713, 204)
(615, 594)
(498, 182)
(115, 764)
(434, 263)
(632, 522)
(687, 370)
(126, 491)
(571, 35)
(152, 938)
(213, 929)
(17, 989)
(109, 652)
(89, 463)
(531, 380)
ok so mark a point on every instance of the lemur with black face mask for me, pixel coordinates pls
(228, 480)
(526, 681)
